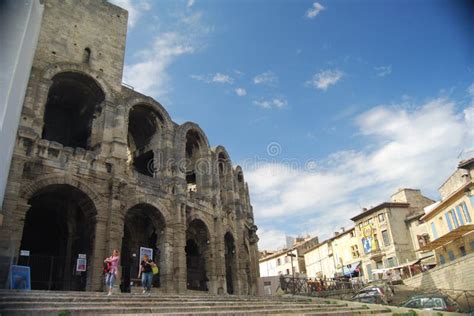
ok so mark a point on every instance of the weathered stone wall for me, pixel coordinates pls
(105, 172)
(455, 275)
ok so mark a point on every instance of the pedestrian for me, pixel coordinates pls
(111, 273)
(146, 273)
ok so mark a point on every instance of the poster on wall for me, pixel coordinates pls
(20, 277)
(145, 251)
(368, 240)
(81, 265)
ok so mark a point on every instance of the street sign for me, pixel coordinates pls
(25, 253)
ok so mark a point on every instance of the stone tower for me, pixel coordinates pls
(98, 166)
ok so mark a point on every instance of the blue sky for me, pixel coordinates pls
(329, 106)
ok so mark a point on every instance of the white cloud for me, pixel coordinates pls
(135, 9)
(271, 239)
(221, 78)
(148, 73)
(240, 92)
(383, 71)
(409, 148)
(271, 103)
(215, 78)
(190, 3)
(314, 10)
(267, 78)
(325, 78)
(470, 90)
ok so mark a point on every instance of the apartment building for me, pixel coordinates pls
(383, 231)
(450, 220)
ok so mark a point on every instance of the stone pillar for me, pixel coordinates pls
(94, 271)
(179, 255)
(166, 261)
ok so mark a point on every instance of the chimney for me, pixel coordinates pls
(343, 229)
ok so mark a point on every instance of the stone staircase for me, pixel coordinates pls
(94, 303)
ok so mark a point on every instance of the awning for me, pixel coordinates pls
(449, 237)
(351, 269)
(407, 264)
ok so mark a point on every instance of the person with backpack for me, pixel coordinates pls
(110, 270)
(147, 269)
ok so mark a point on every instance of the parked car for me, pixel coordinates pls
(383, 290)
(371, 296)
(437, 302)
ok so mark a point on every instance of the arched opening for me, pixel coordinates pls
(59, 229)
(195, 168)
(197, 255)
(74, 100)
(144, 226)
(87, 55)
(143, 125)
(230, 263)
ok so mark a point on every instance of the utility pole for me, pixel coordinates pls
(291, 254)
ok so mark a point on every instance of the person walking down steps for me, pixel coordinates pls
(146, 272)
(111, 270)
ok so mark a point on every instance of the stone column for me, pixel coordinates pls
(94, 271)
(179, 273)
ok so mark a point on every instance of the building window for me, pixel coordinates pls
(278, 261)
(448, 221)
(376, 242)
(369, 271)
(386, 238)
(462, 250)
(423, 240)
(454, 217)
(355, 251)
(370, 221)
(390, 262)
(433, 230)
(472, 245)
(379, 264)
(288, 271)
(381, 217)
(441, 259)
(451, 255)
(287, 259)
(466, 212)
(353, 234)
(458, 212)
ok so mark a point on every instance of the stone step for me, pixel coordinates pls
(154, 303)
(244, 310)
(107, 299)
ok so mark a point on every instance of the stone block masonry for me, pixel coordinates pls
(98, 166)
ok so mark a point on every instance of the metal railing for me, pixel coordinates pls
(308, 286)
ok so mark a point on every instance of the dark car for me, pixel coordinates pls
(371, 296)
(437, 302)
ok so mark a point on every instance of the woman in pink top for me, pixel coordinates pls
(112, 271)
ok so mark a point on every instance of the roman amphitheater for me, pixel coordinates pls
(99, 166)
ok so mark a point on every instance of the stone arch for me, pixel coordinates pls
(230, 262)
(72, 107)
(145, 224)
(184, 128)
(59, 224)
(194, 158)
(225, 175)
(57, 68)
(150, 102)
(44, 181)
(153, 201)
(199, 255)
